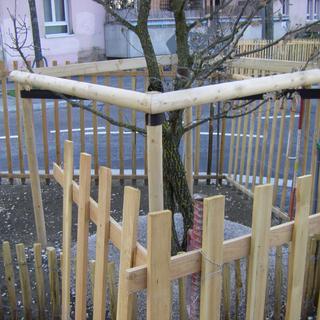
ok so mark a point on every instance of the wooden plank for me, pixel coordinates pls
(131, 205)
(82, 236)
(188, 160)
(238, 288)
(230, 164)
(250, 146)
(115, 228)
(69, 115)
(243, 147)
(236, 157)
(95, 135)
(265, 142)
(18, 124)
(41, 304)
(306, 136)
(112, 287)
(222, 149)
(102, 243)
(67, 228)
(259, 256)
(6, 122)
(45, 137)
(24, 281)
(183, 311)
(212, 257)
(279, 150)
(158, 264)
(197, 144)
(108, 129)
(278, 284)
(133, 134)
(54, 283)
(82, 123)
(120, 137)
(9, 279)
(272, 139)
(299, 249)
(57, 125)
(34, 171)
(226, 291)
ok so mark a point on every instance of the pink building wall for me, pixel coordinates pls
(85, 42)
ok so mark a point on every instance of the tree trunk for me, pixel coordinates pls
(35, 32)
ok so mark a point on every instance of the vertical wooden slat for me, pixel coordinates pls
(24, 281)
(188, 160)
(108, 129)
(34, 171)
(39, 280)
(265, 142)
(212, 257)
(69, 115)
(238, 288)
(183, 311)
(226, 291)
(9, 279)
(249, 154)
(45, 137)
(230, 164)
(95, 135)
(210, 141)
(197, 144)
(288, 153)
(131, 206)
(258, 258)
(278, 284)
(121, 145)
(102, 243)
(299, 249)
(243, 147)
(6, 121)
(82, 124)
(306, 136)
(112, 287)
(133, 134)
(279, 151)
(54, 283)
(82, 236)
(222, 149)
(236, 157)
(57, 125)
(272, 140)
(67, 228)
(158, 266)
(18, 124)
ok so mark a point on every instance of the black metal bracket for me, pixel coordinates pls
(155, 119)
(46, 94)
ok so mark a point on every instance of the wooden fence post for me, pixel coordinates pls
(188, 158)
(131, 207)
(82, 236)
(212, 258)
(10, 279)
(158, 266)
(24, 281)
(67, 225)
(34, 171)
(258, 259)
(102, 243)
(155, 169)
(297, 261)
(39, 279)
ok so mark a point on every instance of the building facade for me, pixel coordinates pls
(79, 30)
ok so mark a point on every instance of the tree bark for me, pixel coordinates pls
(35, 32)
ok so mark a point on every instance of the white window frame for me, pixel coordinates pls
(314, 6)
(55, 23)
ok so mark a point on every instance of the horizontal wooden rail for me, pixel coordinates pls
(233, 249)
(89, 68)
(170, 101)
(115, 227)
(278, 66)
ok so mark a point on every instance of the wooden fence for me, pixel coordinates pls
(255, 154)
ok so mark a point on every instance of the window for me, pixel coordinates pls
(313, 9)
(285, 7)
(56, 17)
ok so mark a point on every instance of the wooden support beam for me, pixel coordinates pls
(34, 171)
